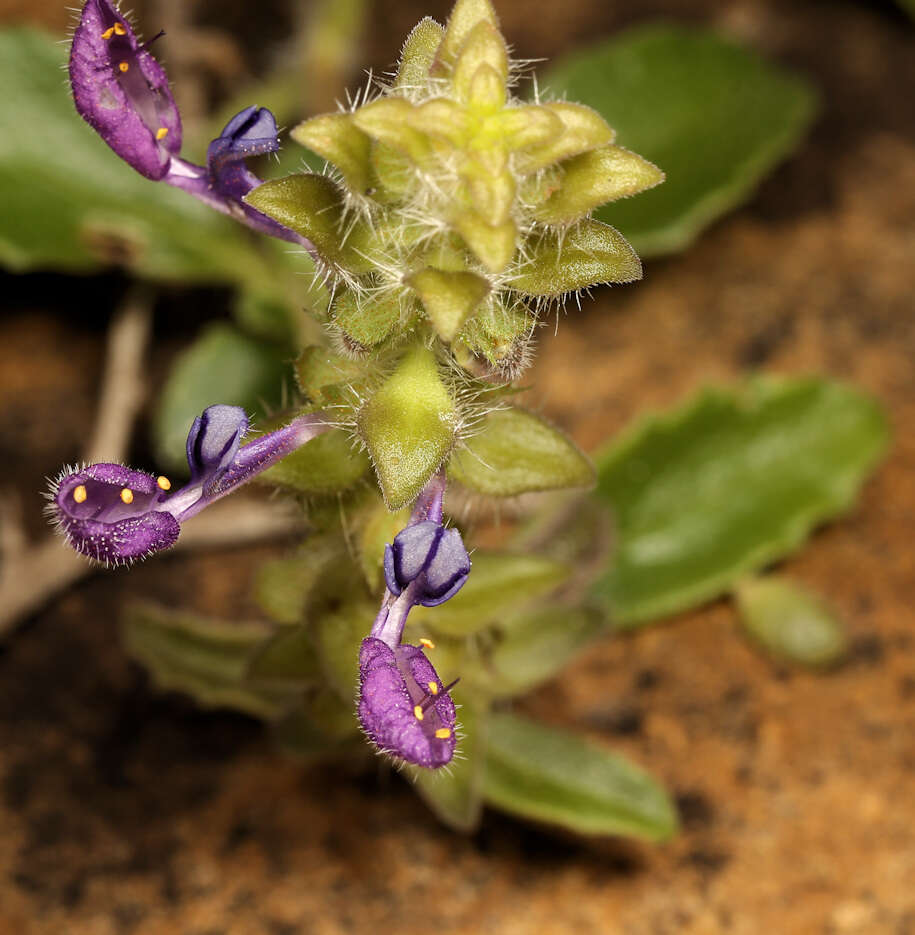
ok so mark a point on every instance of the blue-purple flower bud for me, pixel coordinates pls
(429, 557)
(114, 514)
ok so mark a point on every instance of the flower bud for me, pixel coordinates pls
(430, 559)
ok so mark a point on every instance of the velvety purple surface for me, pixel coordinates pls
(127, 108)
(391, 684)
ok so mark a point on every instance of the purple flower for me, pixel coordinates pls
(122, 92)
(115, 514)
(403, 707)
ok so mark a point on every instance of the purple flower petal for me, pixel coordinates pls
(403, 706)
(122, 92)
(429, 555)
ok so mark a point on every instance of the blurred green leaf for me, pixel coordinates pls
(790, 622)
(204, 658)
(498, 582)
(70, 203)
(285, 660)
(221, 366)
(455, 794)
(321, 726)
(549, 775)
(537, 645)
(714, 116)
(516, 452)
(328, 464)
(338, 637)
(727, 483)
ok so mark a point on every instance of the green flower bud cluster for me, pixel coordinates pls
(453, 214)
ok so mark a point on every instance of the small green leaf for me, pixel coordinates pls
(418, 54)
(549, 775)
(221, 366)
(313, 206)
(537, 645)
(287, 660)
(455, 795)
(500, 334)
(204, 658)
(323, 376)
(498, 583)
(566, 261)
(337, 139)
(790, 622)
(449, 298)
(408, 426)
(714, 116)
(464, 16)
(493, 245)
(583, 129)
(516, 452)
(327, 464)
(338, 636)
(593, 179)
(726, 484)
(370, 321)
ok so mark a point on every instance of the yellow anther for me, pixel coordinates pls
(443, 733)
(119, 29)
(164, 483)
(108, 33)
(427, 643)
(418, 712)
(123, 66)
(79, 494)
(433, 688)
(127, 495)
(161, 133)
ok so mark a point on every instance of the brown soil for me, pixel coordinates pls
(123, 812)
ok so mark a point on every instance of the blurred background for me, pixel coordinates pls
(126, 811)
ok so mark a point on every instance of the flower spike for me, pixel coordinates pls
(115, 514)
(403, 707)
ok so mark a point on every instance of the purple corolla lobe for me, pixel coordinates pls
(115, 514)
(122, 91)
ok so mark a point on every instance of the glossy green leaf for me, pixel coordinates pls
(408, 426)
(516, 452)
(498, 583)
(537, 645)
(727, 483)
(549, 775)
(455, 794)
(790, 622)
(204, 658)
(584, 255)
(70, 203)
(327, 464)
(714, 116)
(221, 366)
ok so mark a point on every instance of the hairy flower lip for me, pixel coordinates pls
(394, 686)
(122, 92)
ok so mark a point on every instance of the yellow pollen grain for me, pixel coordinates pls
(164, 483)
(161, 133)
(119, 29)
(427, 643)
(433, 688)
(123, 66)
(443, 733)
(108, 33)
(418, 713)
(79, 494)
(127, 495)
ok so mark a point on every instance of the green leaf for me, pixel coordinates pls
(408, 426)
(585, 255)
(327, 464)
(448, 297)
(204, 658)
(418, 54)
(70, 203)
(221, 366)
(369, 321)
(714, 116)
(498, 583)
(549, 775)
(321, 726)
(338, 637)
(338, 140)
(286, 660)
(537, 645)
(324, 376)
(727, 483)
(790, 622)
(516, 452)
(455, 794)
